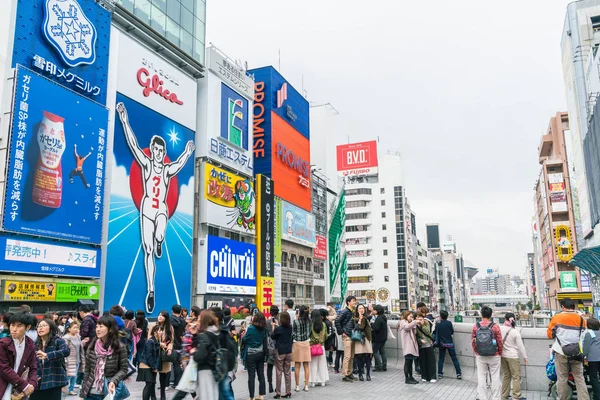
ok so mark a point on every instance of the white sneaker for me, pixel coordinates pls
(306, 388)
(312, 385)
(433, 381)
(423, 380)
(323, 384)
(297, 388)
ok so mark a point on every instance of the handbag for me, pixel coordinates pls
(357, 335)
(316, 350)
(121, 391)
(573, 351)
(188, 380)
(16, 395)
(166, 357)
(390, 333)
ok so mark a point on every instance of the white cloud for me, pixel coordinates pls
(186, 198)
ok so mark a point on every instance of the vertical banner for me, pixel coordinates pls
(265, 218)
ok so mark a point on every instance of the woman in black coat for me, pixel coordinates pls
(380, 331)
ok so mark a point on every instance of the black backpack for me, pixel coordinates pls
(484, 340)
(222, 352)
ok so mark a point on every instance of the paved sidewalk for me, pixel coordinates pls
(384, 386)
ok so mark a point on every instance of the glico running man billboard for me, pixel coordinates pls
(150, 228)
(56, 167)
(282, 136)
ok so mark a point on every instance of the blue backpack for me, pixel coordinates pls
(551, 369)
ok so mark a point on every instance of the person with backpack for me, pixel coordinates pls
(511, 364)
(426, 342)
(486, 339)
(228, 321)
(567, 329)
(591, 349)
(254, 354)
(207, 356)
(228, 352)
(444, 330)
(282, 335)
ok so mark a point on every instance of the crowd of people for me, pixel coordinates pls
(198, 354)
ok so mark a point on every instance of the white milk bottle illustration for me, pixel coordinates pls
(47, 182)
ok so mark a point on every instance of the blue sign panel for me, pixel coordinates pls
(234, 117)
(230, 266)
(150, 228)
(55, 176)
(297, 225)
(46, 257)
(283, 99)
(66, 41)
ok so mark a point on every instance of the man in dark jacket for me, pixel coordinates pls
(443, 337)
(228, 321)
(345, 324)
(88, 325)
(16, 354)
(179, 324)
(379, 338)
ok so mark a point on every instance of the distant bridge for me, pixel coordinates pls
(494, 299)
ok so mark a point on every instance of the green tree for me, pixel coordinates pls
(519, 306)
(530, 305)
(476, 306)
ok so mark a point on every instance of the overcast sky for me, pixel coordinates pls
(463, 89)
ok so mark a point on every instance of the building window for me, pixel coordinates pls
(385, 239)
(385, 265)
(292, 290)
(309, 292)
(234, 236)
(213, 231)
(386, 278)
(383, 202)
(284, 290)
(382, 215)
(383, 227)
(382, 190)
(385, 252)
(284, 259)
(300, 291)
(301, 263)
(319, 294)
(293, 259)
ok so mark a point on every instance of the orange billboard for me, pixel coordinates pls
(290, 163)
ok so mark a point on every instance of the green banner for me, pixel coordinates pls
(336, 230)
(278, 219)
(71, 292)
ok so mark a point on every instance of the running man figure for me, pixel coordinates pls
(78, 171)
(153, 209)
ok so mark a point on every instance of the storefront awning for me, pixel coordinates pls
(586, 296)
(588, 260)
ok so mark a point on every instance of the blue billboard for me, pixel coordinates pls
(297, 225)
(150, 227)
(46, 257)
(67, 41)
(56, 167)
(230, 266)
(273, 93)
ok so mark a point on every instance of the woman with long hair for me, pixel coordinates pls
(142, 324)
(105, 361)
(273, 321)
(363, 350)
(149, 358)
(301, 347)
(410, 349)
(318, 362)
(282, 335)
(166, 345)
(207, 339)
(254, 354)
(51, 351)
(61, 324)
(511, 364)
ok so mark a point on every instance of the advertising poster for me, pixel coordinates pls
(297, 225)
(45, 257)
(66, 41)
(231, 266)
(568, 281)
(357, 159)
(56, 167)
(320, 251)
(278, 298)
(231, 200)
(29, 291)
(150, 228)
(265, 243)
(72, 292)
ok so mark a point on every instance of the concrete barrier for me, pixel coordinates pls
(533, 375)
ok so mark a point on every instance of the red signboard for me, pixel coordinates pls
(321, 248)
(357, 158)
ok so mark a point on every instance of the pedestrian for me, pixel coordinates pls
(591, 349)
(189, 344)
(319, 375)
(289, 308)
(254, 355)
(132, 332)
(329, 316)
(205, 355)
(282, 335)
(225, 341)
(229, 321)
(195, 313)
(274, 310)
(410, 348)
(142, 324)
(51, 352)
(5, 325)
(363, 350)
(301, 346)
(486, 339)
(380, 332)
(444, 330)
(105, 361)
(61, 324)
(75, 360)
(567, 328)
(339, 351)
(512, 345)
(425, 341)
(344, 324)
(18, 366)
(184, 313)
(149, 364)
(166, 353)
(178, 323)
(87, 331)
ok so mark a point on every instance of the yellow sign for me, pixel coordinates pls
(564, 244)
(29, 291)
(221, 185)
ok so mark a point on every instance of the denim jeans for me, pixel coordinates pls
(452, 356)
(225, 389)
(379, 355)
(256, 367)
(71, 380)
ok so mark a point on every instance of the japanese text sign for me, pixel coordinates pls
(72, 292)
(320, 251)
(29, 291)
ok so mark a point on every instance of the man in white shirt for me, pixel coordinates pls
(289, 308)
(17, 355)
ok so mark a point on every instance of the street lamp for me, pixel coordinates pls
(548, 298)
